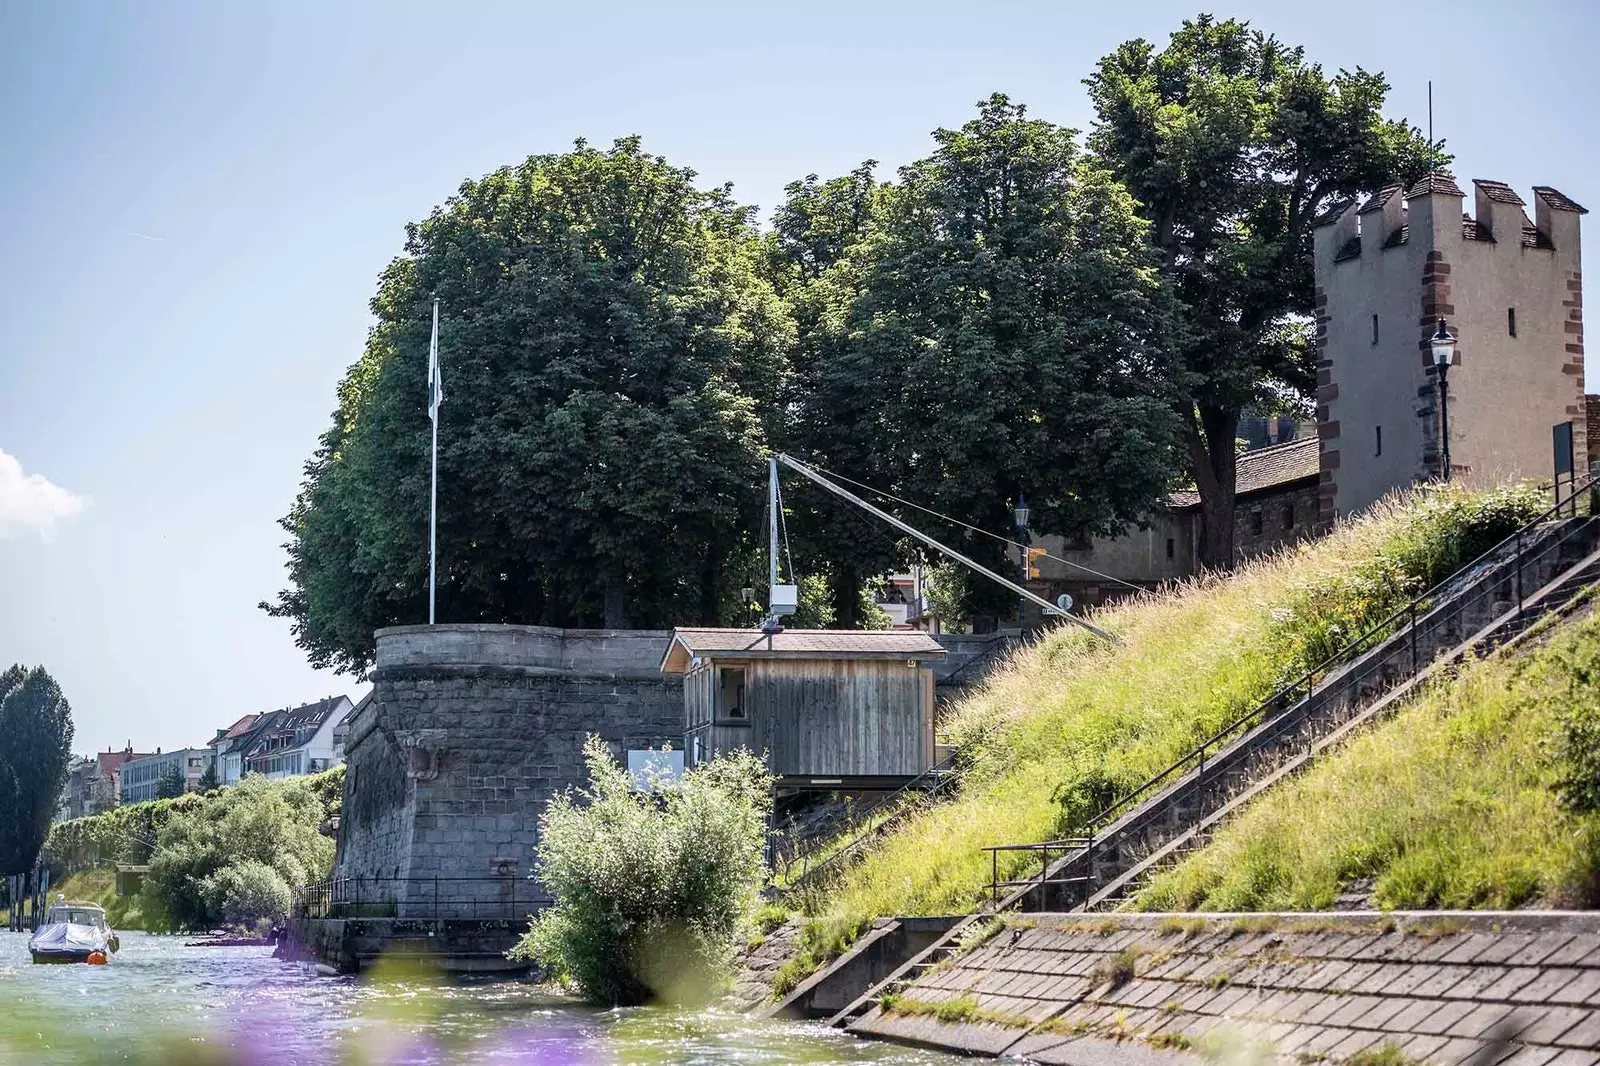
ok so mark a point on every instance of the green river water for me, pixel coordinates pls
(159, 1001)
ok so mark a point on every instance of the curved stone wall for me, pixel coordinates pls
(470, 730)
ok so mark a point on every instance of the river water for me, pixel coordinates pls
(159, 1001)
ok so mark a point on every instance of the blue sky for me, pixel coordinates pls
(196, 200)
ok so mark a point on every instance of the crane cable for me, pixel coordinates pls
(975, 529)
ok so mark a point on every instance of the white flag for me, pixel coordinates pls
(435, 380)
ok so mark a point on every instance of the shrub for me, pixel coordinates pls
(257, 823)
(654, 892)
(248, 895)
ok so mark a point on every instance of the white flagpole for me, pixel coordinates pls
(434, 391)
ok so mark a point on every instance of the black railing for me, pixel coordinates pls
(506, 897)
(1296, 696)
(1045, 850)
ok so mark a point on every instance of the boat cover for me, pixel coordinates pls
(67, 938)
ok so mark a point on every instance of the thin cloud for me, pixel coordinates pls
(141, 236)
(32, 501)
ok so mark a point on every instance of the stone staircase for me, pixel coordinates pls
(1488, 603)
(1481, 608)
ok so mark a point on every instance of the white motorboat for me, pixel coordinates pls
(73, 932)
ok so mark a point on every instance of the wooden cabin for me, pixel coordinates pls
(830, 708)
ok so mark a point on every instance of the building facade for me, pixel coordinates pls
(141, 778)
(1511, 290)
(1276, 503)
(298, 740)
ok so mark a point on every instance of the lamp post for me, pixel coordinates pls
(1020, 513)
(1444, 350)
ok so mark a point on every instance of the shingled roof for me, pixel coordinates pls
(1498, 191)
(1331, 214)
(1555, 199)
(1265, 468)
(1376, 201)
(1440, 183)
(689, 644)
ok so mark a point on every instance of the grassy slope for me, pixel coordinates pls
(100, 886)
(1449, 804)
(1067, 726)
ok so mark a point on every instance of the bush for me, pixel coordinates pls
(654, 892)
(247, 895)
(257, 823)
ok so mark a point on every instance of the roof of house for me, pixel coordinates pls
(1555, 199)
(239, 728)
(1333, 212)
(1381, 197)
(1498, 191)
(111, 760)
(302, 722)
(1435, 182)
(1264, 469)
(689, 644)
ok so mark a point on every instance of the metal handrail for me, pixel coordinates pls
(1045, 848)
(1345, 654)
(320, 898)
(1306, 682)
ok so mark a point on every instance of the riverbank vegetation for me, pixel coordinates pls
(1479, 794)
(229, 858)
(654, 890)
(1070, 724)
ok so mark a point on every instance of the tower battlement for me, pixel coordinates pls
(1387, 267)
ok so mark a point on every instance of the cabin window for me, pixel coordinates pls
(730, 695)
(1378, 430)
(1288, 516)
(1374, 329)
(1255, 523)
(1511, 321)
(1171, 548)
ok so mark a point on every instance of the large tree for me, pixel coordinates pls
(1004, 332)
(1233, 143)
(611, 354)
(36, 727)
(818, 263)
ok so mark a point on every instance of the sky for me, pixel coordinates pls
(196, 200)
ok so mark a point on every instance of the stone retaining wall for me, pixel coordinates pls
(470, 731)
(1498, 989)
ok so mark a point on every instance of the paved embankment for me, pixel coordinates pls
(1517, 988)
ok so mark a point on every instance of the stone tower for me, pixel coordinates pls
(1512, 291)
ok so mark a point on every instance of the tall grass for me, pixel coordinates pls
(1068, 725)
(1452, 803)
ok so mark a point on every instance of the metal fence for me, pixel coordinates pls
(504, 897)
(1489, 601)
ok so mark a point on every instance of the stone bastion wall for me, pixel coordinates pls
(469, 732)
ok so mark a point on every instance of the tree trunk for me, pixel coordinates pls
(847, 600)
(1209, 438)
(708, 591)
(616, 602)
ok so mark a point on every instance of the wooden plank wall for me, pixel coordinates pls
(842, 716)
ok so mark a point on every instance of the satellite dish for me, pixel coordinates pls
(1064, 601)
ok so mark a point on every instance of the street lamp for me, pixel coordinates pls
(1444, 350)
(1020, 513)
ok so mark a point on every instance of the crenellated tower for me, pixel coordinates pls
(1512, 289)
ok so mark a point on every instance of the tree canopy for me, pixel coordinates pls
(36, 724)
(612, 354)
(999, 328)
(1233, 142)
